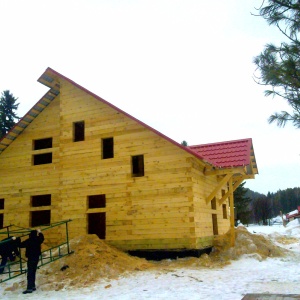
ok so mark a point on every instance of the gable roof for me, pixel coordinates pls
(229, 154)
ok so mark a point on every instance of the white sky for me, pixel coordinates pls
(183, 67)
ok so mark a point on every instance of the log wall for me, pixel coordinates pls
(164, 209)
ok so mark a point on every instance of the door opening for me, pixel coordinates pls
(96, 224)
(215, 224)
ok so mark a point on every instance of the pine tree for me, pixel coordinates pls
(8, 116)
(184, 143)
(279, 66)
(241, 203)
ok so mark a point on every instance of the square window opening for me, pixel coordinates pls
(137, 163)
(97, 201)
(42, 159)
(40, 218)
(107, 148)
(40, 200)
(42, 144)
(78, 131)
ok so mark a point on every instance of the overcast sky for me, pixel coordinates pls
(183, 67)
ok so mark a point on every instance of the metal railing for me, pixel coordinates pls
(18, 267)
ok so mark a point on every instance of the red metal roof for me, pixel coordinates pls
(226, 154)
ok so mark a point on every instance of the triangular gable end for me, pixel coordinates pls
(50, 78)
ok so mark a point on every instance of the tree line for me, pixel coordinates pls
(253, 207)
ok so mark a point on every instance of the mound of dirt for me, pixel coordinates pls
(284, 240)
(245, 243)
(92, 259)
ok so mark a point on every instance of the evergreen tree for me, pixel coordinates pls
(8, 106)
(184, 143)
(241, 203)
(279, 66)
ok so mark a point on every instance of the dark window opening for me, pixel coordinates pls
(215, 224)
(39, 218)
(223, 193)
(107, 148)
(1, 203)
(214, 203)
(224, 211)
(1, 221)
(40, 200)
(137, 165)
(78, 131)
(96, 201)
(42, 159)
(42, 144)
(96, 224)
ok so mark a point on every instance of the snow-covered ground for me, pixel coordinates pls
(232, 282)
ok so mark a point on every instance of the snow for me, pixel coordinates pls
(293, 212)
(277, 220)
(248, 274)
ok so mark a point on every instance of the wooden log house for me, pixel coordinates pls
(76, 156)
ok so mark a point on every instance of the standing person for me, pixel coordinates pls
(8, 250)
(33, 252)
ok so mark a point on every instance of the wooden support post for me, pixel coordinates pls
(217, 189)
(231, 202)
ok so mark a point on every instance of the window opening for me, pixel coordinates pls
(107, 148)
(41, 217)
(137, 165)
(40, 200)
(214, 203)
(224, 207)
(42, 144)
(42, 159)
(1, 203)
(96, 201)
(1, 221)
(78, 131)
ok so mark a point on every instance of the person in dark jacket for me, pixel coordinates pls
(8, 250)
(33, 252)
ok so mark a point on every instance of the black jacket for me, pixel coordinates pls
(9, 246)
(33, 245)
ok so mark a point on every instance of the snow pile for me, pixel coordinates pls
(277, 220)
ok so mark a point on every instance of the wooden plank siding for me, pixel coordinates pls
(164, 209)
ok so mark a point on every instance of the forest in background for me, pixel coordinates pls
(253, 207)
